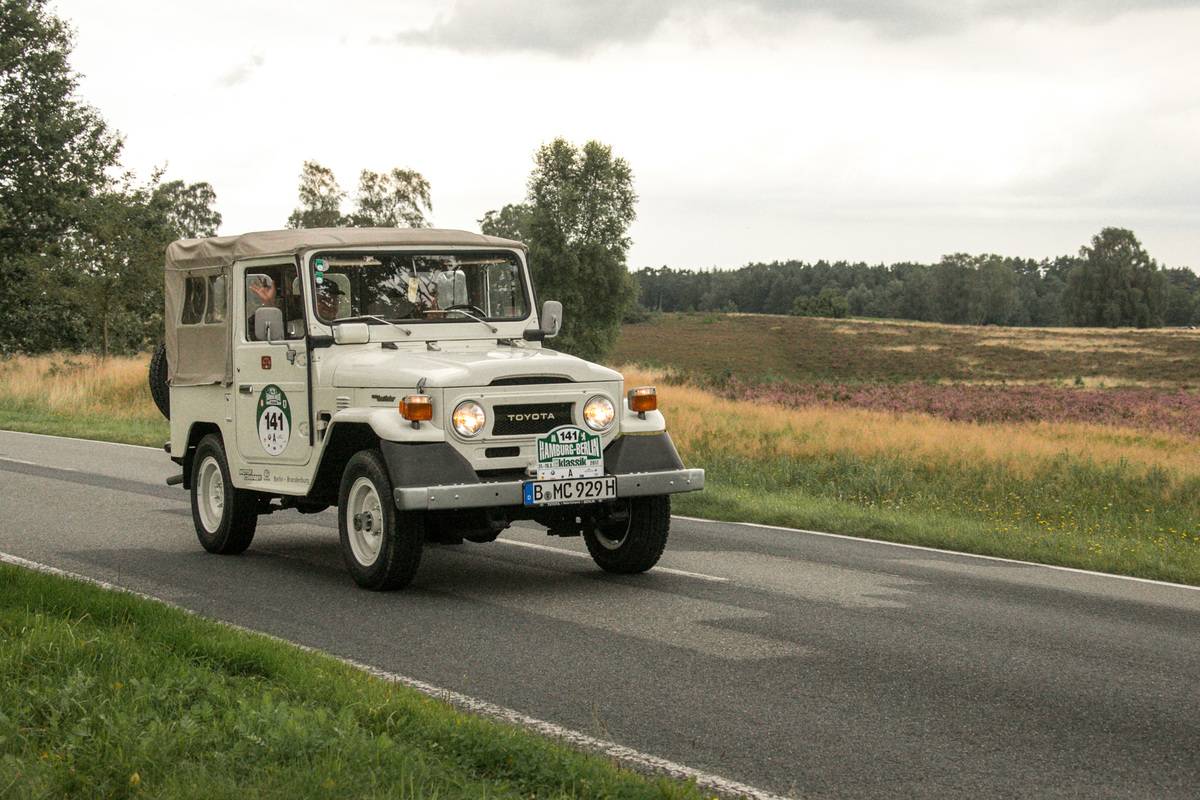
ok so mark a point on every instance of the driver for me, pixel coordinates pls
(329, 296)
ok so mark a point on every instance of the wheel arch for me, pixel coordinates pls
(196, 432)
(344, 439)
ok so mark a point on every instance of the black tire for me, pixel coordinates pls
(401, 534)
(158, 380)
(234, 530)
(634, 545)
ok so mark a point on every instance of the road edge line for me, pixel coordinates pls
(627, 757)
(81, 439)
(959, 553)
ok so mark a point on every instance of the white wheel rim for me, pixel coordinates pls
(364, 521)
(613, 543)
(210, 494)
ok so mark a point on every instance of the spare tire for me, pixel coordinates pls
(158, 380)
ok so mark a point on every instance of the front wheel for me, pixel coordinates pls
(380, 544)
(636, 542)
(225, 517)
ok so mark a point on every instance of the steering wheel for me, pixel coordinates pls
(474, 309)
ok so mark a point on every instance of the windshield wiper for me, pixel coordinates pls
(489, 325)
(360, 317)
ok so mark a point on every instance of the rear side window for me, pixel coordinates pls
(214, 312)
(195, 298)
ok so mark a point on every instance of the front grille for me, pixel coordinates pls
(532, 418)
(529, 380)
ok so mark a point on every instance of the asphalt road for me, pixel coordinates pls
(798, 663)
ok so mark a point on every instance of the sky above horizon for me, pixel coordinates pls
(757, 130)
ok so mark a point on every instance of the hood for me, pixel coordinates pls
(372, 366)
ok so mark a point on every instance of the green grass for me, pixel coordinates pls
(31, 419)
(104, 694)
(1106, 518)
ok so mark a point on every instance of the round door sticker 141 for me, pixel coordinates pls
(274, 419)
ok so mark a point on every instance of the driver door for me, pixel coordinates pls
(271, 377)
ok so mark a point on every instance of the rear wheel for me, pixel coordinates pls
(381, 545)
(225, 517)
(635, 543)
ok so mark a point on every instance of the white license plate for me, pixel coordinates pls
(572, 490)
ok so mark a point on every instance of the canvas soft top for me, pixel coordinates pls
(201, 353)
(222, 251)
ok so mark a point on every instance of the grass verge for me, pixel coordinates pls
(106, 694)
(149, 432)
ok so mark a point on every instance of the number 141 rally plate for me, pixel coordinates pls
(570, 469)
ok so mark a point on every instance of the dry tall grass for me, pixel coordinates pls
(72, 384)
(700, 418)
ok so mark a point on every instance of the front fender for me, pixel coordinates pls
(389, 426)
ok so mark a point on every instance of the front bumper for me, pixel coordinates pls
(511, 493)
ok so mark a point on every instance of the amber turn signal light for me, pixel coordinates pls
(643, 399)
(417, 408)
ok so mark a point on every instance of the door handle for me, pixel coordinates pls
(245, 388)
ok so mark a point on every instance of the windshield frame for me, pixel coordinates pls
(517, 257)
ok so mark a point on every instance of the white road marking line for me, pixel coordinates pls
(35, 464)
(625, 756)
(78, 439)
(959, 553)
(561, 551)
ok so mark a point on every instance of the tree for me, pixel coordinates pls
(580, 205)
(54, 153)
(992, 292)
(1183, 288)
(829, 303)
(395, 199)
(110, 263)
(513, 221)
(320, 199)
(1116, 283)
(187, 207)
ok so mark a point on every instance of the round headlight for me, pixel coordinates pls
(468, 418)
(598, 413)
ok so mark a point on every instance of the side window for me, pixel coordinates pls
(277, 286)
(195, 295)
(215, 311)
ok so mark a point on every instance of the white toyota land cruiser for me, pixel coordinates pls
(399, 375)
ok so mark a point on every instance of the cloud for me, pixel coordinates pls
(562, 27)
(575, 27)
(241, 73)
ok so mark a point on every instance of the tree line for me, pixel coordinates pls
(1111, 282)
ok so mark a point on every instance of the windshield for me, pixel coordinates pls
(419, 287)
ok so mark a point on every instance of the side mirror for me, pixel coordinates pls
(268, 324)
(551, 318)
(351, 333)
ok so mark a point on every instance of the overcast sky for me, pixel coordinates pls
(756, 129)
